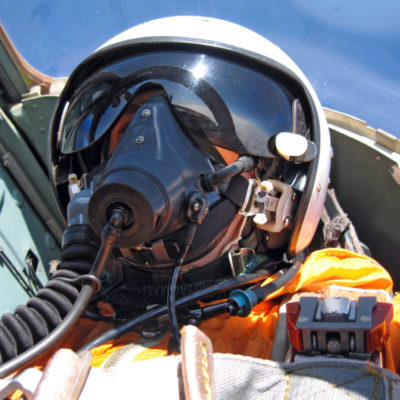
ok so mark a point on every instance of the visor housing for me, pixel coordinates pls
(216, 100)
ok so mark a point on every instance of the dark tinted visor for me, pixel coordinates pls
(214, 99)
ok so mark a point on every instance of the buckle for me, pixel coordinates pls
(338, 325)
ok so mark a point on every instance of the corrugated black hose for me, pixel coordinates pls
(51, 313)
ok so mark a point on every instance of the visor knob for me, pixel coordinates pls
(294, 147)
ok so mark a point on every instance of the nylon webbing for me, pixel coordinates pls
(236, 190)
(217, 219)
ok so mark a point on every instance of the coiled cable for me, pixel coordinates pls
(32, 322)
(47, 317)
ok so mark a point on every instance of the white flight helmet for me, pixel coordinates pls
(228, 87)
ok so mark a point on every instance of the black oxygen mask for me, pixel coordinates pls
(150, 175)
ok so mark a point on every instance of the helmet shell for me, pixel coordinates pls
(232, 39)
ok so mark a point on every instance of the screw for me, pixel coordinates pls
(139, 139)
(266, 186)
(146, 113)
(195, 206)
(333, 346)
(286, 222)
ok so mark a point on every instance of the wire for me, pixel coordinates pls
(243, 301)
(171, 307)
(110, 231)
(263, 291)
(171, 298)
(184, 301)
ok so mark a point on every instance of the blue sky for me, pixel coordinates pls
(350, 50)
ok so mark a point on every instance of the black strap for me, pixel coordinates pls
(236, 190)
(219, 217)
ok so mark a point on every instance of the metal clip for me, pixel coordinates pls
(271, 203)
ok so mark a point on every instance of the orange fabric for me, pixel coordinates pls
(253, 336)
(337, 267)
(250, 336)
(16, 395)
(229, 156)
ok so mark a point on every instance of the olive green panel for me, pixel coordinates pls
(364, 180)
(26, 246)
(29, 175)
(32, 116)
(10, 72)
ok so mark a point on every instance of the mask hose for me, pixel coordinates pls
(22, 313)
(211, 181)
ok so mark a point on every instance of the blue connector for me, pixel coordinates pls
(244, 301)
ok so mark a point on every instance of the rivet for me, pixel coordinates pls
(139, 139)
(146, 113)
(196, 206)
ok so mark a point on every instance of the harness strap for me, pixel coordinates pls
(338, 229)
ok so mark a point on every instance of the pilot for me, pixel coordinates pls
(191, 158)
